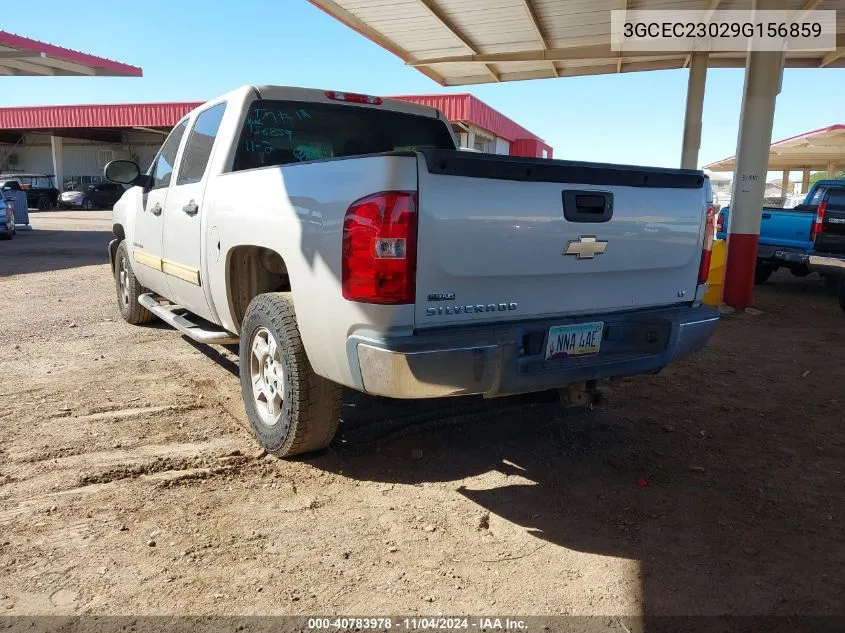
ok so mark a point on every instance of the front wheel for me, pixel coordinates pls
(290, 408)
(129, 289)
(88, 204)
(43, 203)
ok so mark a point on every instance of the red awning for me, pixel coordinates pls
(115, 115)
(23, 56)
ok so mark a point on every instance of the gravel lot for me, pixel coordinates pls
(130, 484)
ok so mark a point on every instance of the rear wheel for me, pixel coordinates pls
(290, 408)
(128, 289)
(43, 203)
(88, 204)
(762, 273)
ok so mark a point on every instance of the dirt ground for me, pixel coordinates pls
(130, 484)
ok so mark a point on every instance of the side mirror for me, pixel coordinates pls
(126, 172)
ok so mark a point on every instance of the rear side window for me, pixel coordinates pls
(818, 195)
(283, 132)
(198, 148)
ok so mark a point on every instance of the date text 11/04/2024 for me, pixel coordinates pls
(439, 623)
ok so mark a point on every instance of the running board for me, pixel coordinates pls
(186, 327)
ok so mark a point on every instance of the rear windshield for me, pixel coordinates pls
(282, 132)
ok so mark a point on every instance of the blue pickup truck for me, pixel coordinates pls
(787, 236)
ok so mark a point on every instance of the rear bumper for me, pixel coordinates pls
(781, 254)
(497, 360)
(827, 264)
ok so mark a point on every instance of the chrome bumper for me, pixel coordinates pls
(449, 368)
(827, 264)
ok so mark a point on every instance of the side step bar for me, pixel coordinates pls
(186, 327)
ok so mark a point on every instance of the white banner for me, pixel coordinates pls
(722, 31)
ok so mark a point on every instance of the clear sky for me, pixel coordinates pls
(191, 50)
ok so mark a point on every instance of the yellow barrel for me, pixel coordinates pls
(716, 278)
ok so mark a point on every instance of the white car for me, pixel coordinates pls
(7, 220)
(344, 240)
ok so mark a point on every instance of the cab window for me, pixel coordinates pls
(162, 168)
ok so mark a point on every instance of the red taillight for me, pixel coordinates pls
(816, 229)
(353, 97)
(380, 248)
(707, 248)
(720, 223)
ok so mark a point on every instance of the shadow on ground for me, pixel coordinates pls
(48, 249)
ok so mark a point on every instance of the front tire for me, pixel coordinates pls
(290, 408)
(129, 289)
(88, 204)
(43, 203)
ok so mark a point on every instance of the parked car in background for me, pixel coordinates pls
(100, 195)
(345, 241)
(7, 221)
(41, 192)
(15, 197)
(828, 255)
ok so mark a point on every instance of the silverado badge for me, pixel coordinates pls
(585, 247)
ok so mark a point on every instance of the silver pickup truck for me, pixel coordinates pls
(344, 240)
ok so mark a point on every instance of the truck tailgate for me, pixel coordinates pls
(832, 237)
(493, 234)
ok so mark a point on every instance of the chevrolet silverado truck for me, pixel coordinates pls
(828, 256)
(344, 240)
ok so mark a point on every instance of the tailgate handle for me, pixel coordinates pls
(766, 216)
(587, 206)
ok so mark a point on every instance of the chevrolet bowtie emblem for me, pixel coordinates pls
(585, 247)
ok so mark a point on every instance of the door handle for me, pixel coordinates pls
(156, 209)
(191, 208)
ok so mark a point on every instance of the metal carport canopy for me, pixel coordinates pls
(21, 56)
(822, 149)
(459, 42)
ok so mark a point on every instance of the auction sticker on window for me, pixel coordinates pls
(580, 339)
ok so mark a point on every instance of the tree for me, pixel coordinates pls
(822, 175)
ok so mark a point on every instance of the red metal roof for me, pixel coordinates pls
(94, 116)
(466, 107)
(24, 56)
(459, 107)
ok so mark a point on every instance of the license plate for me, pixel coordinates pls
(581, 339)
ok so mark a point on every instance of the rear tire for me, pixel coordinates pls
(43, 203)
(762, 274)
(290, 408)
(129, 289)
(88, 204)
